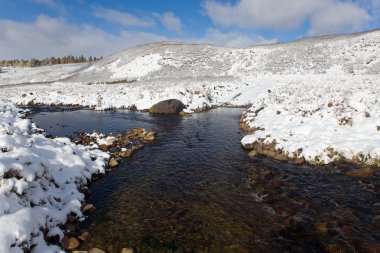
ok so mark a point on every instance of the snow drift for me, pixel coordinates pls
(39, 182)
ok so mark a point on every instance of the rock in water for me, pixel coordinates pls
(70, 243)
(96, 250)
(171, 106)
(113, 163)
(88, 208)
(151, 136)
(127, 250)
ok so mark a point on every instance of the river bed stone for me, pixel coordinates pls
(195, 190)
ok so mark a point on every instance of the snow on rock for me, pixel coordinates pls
(39, 181)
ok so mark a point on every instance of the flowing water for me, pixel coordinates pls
(196, 190)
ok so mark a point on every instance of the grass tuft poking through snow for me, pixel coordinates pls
(327, 119)
(39, 182)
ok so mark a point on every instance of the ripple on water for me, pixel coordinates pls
(196, 190)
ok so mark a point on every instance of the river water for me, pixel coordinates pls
(196, 190)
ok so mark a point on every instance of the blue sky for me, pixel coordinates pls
(44, 28)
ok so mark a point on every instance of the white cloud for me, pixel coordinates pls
(259, 13)
(48, 37)
(344, 17)
(171, 22)
(233, 39)
(123, 18)
(289, 15)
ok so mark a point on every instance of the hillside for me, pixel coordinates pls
(347, 54)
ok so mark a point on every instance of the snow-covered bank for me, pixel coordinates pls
(195, 93)
(39, 182)
(321, 120)
(309, 95)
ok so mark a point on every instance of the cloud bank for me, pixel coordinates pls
(324, 16)
(55, 37)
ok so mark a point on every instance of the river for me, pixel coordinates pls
(196, 190)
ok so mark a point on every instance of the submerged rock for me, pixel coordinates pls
(88, 208)
(113, 163)
(70, 243)
(171, 106)
(96, 250)
(363, 172)
(127, 250)
(84, 236)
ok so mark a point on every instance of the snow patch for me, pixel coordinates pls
(139, 67)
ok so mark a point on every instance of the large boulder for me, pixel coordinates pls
(171, 106)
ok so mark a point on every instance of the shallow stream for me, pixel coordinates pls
(196, 190)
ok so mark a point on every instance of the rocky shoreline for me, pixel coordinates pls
(120, 146)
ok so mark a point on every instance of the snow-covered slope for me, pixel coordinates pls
(347, 54)
(25, 75)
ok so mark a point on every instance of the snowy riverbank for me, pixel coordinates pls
(39, 182)
(316, 98)
(320, 120)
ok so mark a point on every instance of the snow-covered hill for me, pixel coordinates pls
(347, 54)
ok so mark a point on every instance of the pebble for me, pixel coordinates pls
(84, 236)
(322, 228)
(88, 208)
(126, 153)
(113, 163)
(127, 250)
(70, 243)
(96, 250)
(151, 136)
(103, 147)
(253, 153)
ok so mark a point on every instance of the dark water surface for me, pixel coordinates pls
(196, 190)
